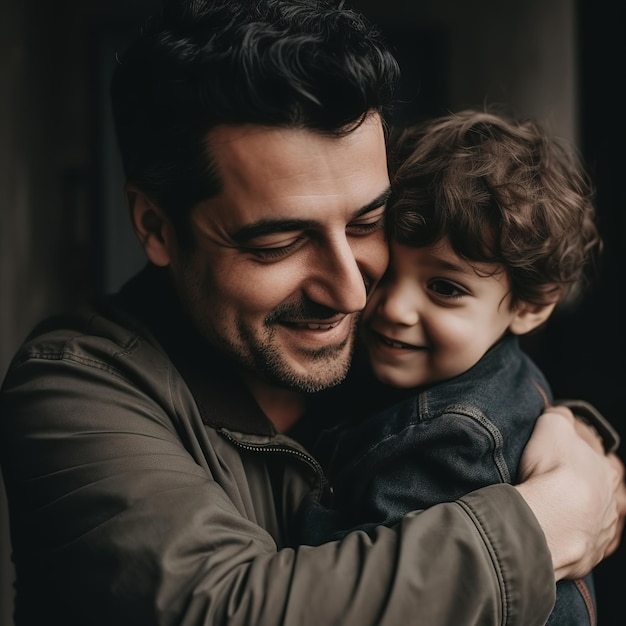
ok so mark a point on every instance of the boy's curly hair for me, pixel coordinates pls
(502, 191)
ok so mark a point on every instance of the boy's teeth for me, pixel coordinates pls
(395, 344)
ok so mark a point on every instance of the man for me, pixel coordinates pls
(145, 449)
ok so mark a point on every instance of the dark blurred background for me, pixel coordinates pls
(64, 232)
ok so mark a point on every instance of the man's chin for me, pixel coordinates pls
(312, 374)
(313, 384)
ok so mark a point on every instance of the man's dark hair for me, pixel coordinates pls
(201, 63)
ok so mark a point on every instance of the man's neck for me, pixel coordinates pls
(283, 407)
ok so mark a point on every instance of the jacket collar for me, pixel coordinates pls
(221, 397)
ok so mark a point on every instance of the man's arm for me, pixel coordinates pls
(124, 526)
(575, 490)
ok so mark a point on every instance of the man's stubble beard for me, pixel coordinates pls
(328, 366)
(262, 359)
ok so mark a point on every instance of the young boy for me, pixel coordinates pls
(491, 224)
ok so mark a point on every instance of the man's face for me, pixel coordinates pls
(285, 255)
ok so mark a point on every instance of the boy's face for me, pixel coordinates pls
(434, 315)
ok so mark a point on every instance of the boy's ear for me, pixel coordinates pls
(152, 226)
(529, 316)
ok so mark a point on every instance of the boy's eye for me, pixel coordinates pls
(446, 288)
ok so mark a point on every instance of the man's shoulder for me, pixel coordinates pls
(100, 333)
(105, 327)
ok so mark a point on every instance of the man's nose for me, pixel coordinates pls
(337, 281)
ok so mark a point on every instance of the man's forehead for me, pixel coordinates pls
(241, 143)
(227, 133)
(286, 166)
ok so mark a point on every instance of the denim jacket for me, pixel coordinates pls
(435, 446)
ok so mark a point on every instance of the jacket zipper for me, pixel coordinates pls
(274, 448)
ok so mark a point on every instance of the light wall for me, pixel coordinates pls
(521, 54)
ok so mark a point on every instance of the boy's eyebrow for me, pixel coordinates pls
(444, 264)
(271, 226)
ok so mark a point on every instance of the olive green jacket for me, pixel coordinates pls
(145, 486)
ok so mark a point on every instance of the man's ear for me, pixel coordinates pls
(152, 226)
(529, 316)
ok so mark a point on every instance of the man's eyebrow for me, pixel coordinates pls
(376, 203)
(272, 226)
(268, 227)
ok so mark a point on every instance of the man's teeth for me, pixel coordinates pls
(317, 326)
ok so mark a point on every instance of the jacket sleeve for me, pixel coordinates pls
(114, 522)
(589, 414)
